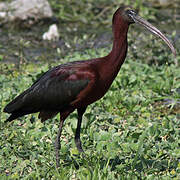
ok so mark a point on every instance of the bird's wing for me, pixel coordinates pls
(56, 89)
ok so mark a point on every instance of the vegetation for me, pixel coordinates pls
(132, 133)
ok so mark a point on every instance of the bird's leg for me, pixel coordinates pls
(78, 129)
(57, 142)
(77, 135)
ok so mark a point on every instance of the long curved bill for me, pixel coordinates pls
(154, 30)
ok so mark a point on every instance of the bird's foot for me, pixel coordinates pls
(78, 145)
(80, 149)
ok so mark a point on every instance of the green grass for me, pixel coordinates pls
(129, 134)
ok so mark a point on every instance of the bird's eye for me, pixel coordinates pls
(130, 12)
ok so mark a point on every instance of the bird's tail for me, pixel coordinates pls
(14, 115)
(15, 112)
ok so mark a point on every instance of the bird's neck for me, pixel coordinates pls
(113, 61)
(119, 50)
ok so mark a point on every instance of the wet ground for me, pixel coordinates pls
(25, 44)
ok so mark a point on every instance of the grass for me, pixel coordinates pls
(129, 134)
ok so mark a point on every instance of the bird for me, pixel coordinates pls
(75, 85)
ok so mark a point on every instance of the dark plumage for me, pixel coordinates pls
(50, 94)
(76, 85)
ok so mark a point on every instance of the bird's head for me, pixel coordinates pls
(130, 16)
(127, 13)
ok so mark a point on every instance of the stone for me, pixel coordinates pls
(52, 34)
(24, 10)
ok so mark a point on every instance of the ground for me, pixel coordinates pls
(131, 133)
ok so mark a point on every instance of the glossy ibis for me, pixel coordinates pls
(75, 85)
